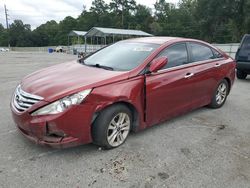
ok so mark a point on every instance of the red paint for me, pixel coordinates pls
(157, 64)
(168, 93)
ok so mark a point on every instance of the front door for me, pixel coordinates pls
(169, 92)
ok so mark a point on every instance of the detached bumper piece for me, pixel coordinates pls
(51, 139)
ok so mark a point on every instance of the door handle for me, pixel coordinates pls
(217, 65)
(189, 75)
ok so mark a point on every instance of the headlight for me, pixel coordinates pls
(62, 104)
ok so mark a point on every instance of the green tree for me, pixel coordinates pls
(240, 24)
(214, 17)
(86, 21)
(3, 36)
(182, 21)
(143, 18)
(121, 11)
(45, 34)
(20, 34)
(99, 7)
(217, 21)
(64, 27)
(162, 10)
(1, 28)
(100, 10)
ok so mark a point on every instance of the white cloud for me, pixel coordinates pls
(36, 12)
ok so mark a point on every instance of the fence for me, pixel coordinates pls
(68, 49)
(230, 49)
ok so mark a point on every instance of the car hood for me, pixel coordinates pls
(64, 79)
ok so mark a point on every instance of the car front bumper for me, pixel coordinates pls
(67, 129)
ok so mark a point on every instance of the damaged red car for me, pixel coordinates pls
(127, 86)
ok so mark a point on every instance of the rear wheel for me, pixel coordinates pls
(241, 75)
(220, 95)
(112, 126)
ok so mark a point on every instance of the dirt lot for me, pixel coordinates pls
(204, 148)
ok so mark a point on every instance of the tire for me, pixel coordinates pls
(220, 95)
(241, 75)
(112, 126)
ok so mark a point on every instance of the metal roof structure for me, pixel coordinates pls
(105, 35)
(105, 32)
(77, 33)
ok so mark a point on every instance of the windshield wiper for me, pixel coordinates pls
(96, 65)
(100, 66)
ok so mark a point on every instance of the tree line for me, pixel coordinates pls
(217, 21)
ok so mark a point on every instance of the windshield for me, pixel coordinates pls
(121, 56)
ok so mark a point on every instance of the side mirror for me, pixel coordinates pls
(158, 64)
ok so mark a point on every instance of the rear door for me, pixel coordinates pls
(169, 92)
(207, 65)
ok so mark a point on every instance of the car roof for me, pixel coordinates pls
(154, 40)
(164, 40)
(246, 36)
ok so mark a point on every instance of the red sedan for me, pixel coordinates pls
(127, 86)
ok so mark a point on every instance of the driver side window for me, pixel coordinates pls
(177, 55)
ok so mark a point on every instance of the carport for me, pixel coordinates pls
(77, 34)
(109, 35)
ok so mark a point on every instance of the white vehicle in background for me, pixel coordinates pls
(4, 49)
(60, 49)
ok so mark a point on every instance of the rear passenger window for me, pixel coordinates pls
(217, 54)
(177, 55)
(200, 52)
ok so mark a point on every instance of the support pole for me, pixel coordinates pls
(85, 38)
(7, 23)
(6, 17)
(68, 41)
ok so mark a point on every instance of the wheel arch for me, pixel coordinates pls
(131, 107)
(229, 83)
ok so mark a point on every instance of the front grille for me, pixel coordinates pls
(23, 100)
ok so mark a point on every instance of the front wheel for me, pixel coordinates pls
(112, 126)
(220, 95)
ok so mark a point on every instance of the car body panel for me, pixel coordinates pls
(64, 79)
(166, 93)
(127, 91)
(73, 122)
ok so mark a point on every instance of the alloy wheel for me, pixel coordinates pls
(221, 93)
(118, 129)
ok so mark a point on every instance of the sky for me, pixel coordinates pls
(37, 12)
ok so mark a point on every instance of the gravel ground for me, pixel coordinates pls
(204, 148)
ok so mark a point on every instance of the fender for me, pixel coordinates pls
(129, 91)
